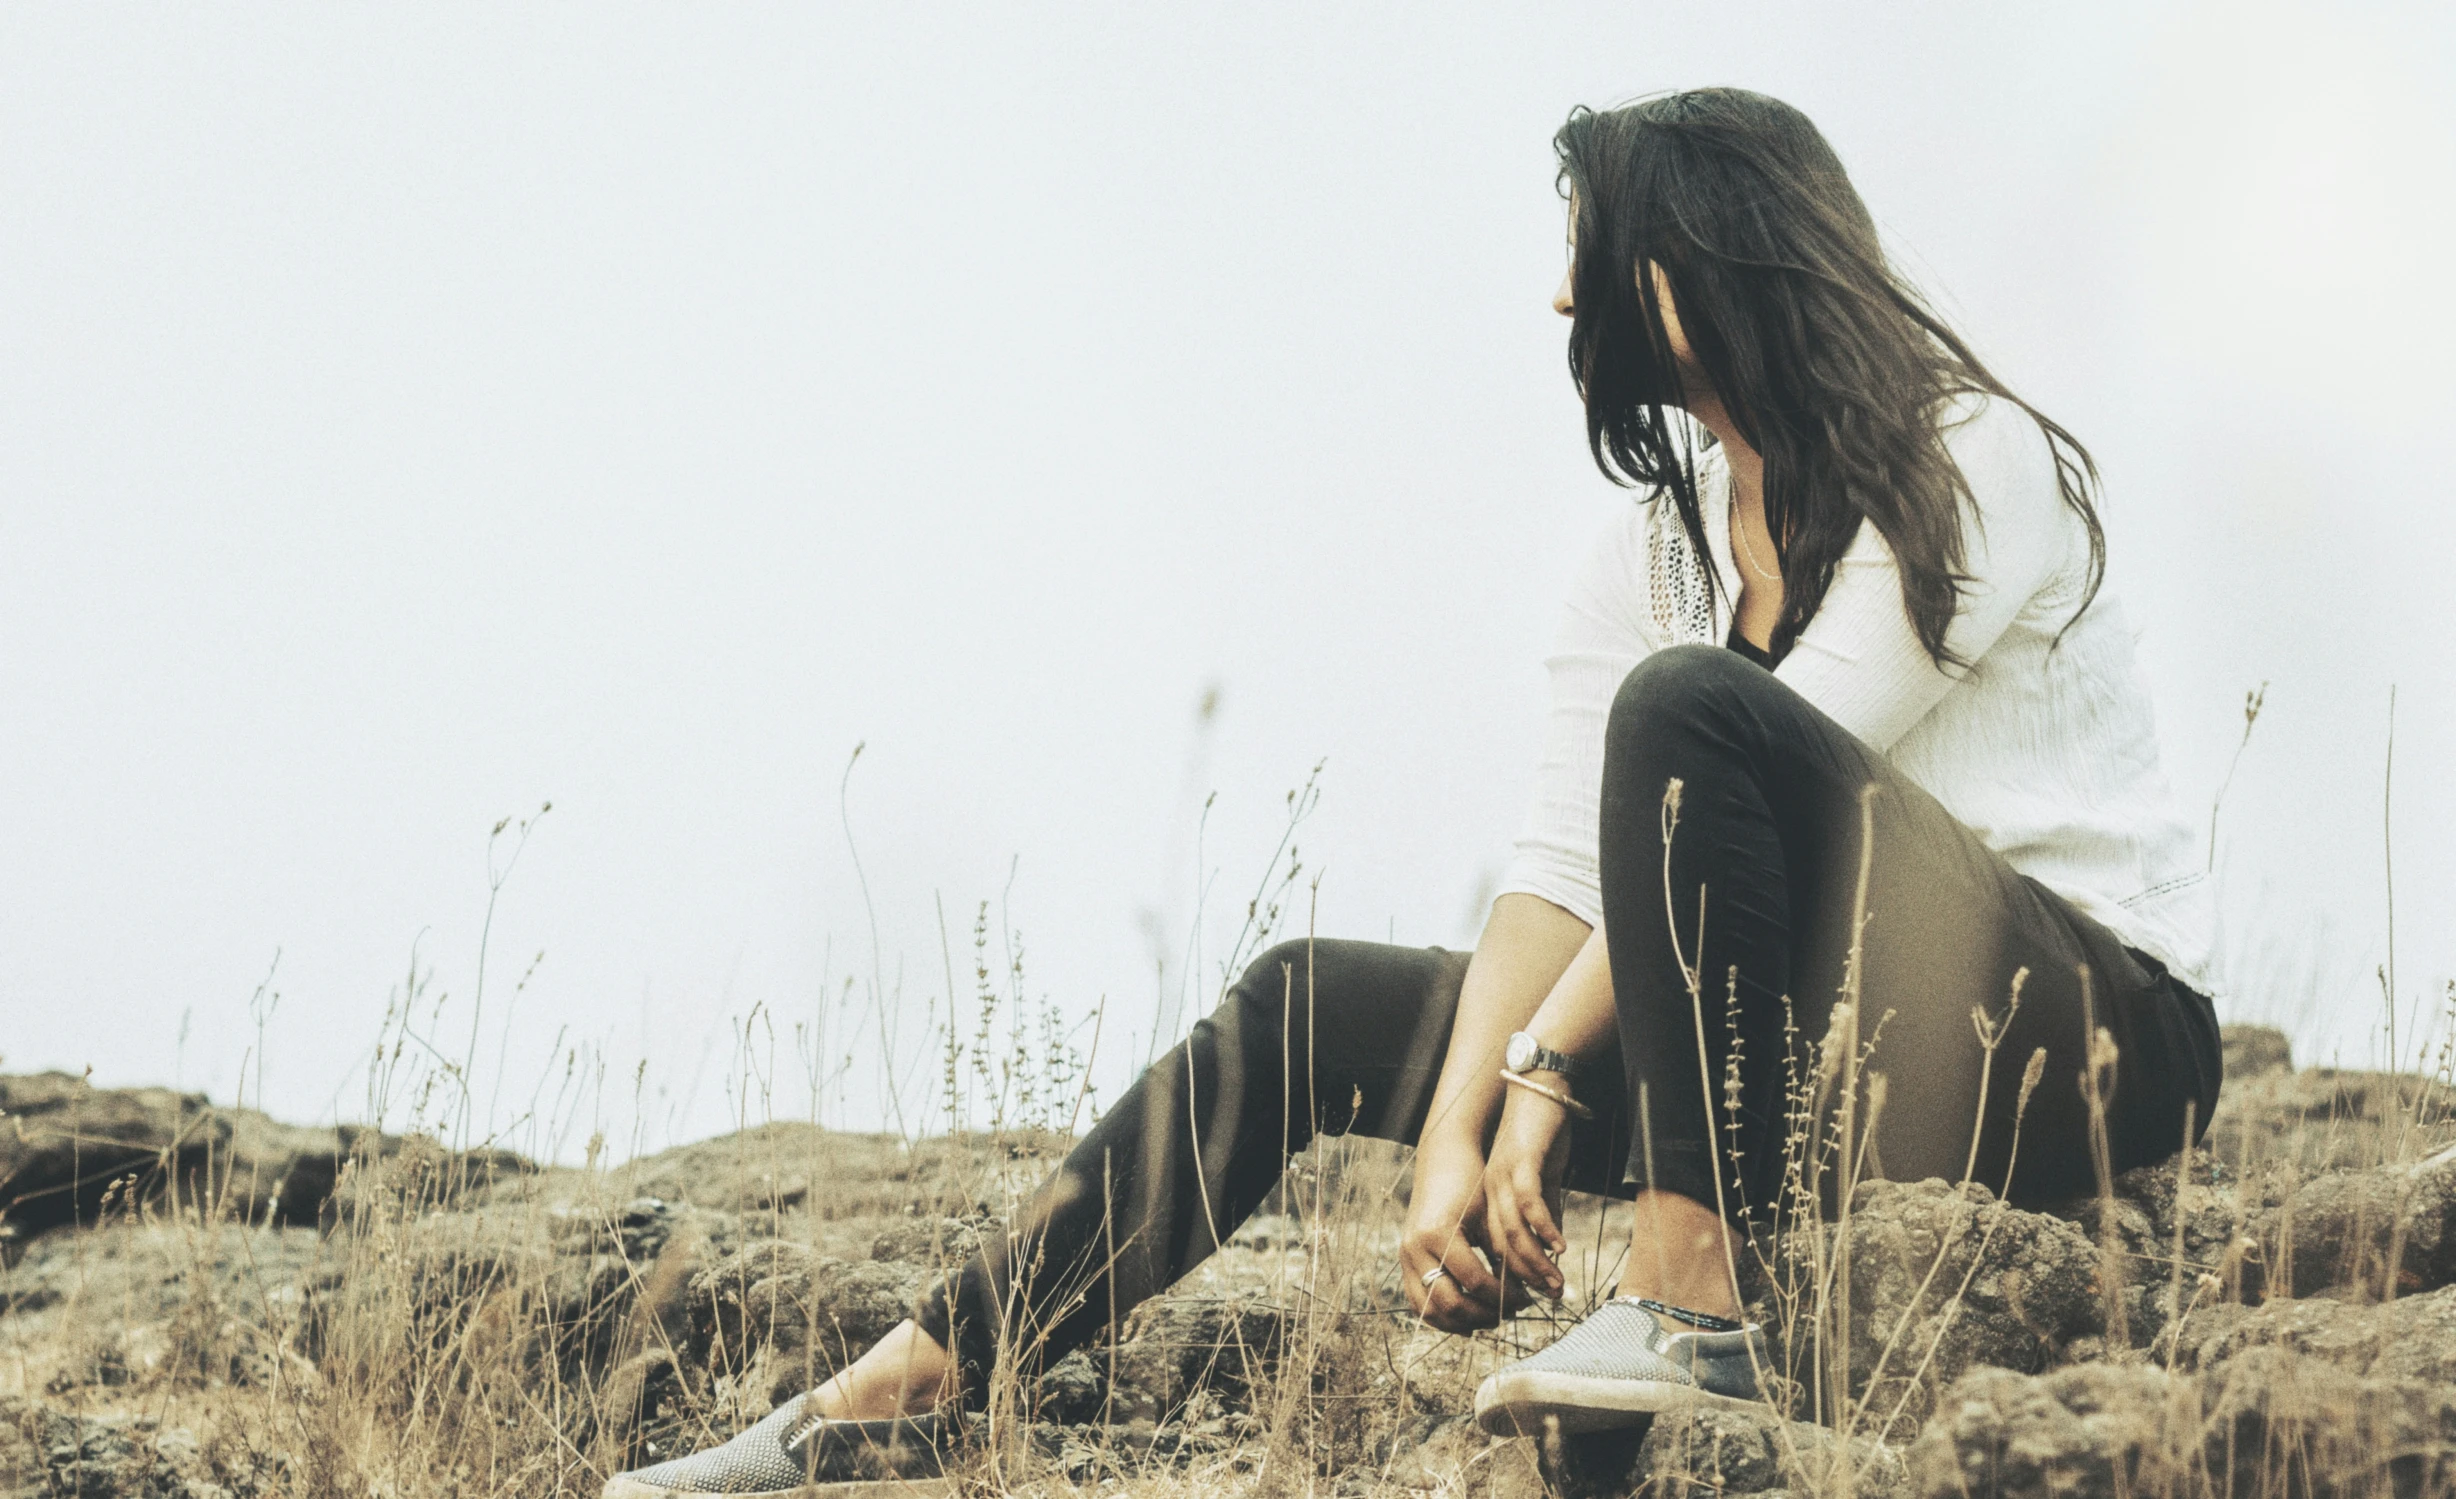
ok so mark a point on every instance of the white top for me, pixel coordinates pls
(2050, 756)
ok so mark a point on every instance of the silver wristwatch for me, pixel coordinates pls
(1526, 1054)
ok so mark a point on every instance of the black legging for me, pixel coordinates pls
(1329, 1037)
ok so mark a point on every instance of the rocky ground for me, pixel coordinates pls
(201, 1302)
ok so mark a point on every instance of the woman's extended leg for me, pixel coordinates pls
(1316, 1036)
(1768, 838)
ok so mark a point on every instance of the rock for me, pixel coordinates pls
(1073, 1391)
(63, 1146)
(84, 1456)
(817, 1313)
(279, 1172)
(638, 1230)
(1942, 1280)
(1608, 1464)
(649, 1250)
(1429, 1450)
(643, 1397)
(2390, 1230)
(156, 1289)
(2194, 1200)
(1717, 1449)
(128, 1457)
(644, 1226)
(2324, 1118)
(2251, 1050)
(1514, 1470)
(766, 1169)
(2074, 1434)
(488, 1282)
(1173, 1346)
(399, 1176)
(2267, 1418)
(1734, 1451)
(934, 1243)
(2194, 1206)
(1268, 1232)
(2413, 1337)
(2268, 1413)
(1339, 1169)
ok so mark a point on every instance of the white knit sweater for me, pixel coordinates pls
(2050, 755)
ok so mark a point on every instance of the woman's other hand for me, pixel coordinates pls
(1522, 1188)
(1446, 1227)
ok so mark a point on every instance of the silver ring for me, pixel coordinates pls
(1434, 1274)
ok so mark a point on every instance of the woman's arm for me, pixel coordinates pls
(1540, 923)
(1861, 662)
(1522, 1178)
(1527, 944)
(1577, 1016)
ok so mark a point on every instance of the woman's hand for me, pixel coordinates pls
(1445, 1227)
(1522, 1188)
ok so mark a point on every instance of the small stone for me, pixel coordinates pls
(1073, 1391)
(2251, 1050)
(934, 1243)
(1175, 1347)
(2387, 1231)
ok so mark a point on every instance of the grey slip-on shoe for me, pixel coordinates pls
(1621, 1366)
(789, 1452)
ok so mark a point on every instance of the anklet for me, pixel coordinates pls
(1704, 1321)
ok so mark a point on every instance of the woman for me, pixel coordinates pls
(1857, 615)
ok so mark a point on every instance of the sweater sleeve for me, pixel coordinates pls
(1603, 634)
(1859, 659)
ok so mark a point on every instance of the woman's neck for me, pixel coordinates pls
(1758, 608)
(1746, 464)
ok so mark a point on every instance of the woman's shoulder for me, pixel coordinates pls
(2004, 456)
(1996, 434)
(2026, 533)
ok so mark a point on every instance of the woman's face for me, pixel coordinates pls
(1564, 303)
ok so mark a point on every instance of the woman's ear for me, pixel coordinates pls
(1663, 299)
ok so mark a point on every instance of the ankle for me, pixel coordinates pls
(1681, 1253)
(1689, 1315)
(853, 1395)
(904, 1373)
(1704, 1298)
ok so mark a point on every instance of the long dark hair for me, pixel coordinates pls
(1829, 364)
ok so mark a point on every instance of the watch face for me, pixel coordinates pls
(1520, 1054)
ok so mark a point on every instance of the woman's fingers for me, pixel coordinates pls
(1513, 1204)
(1465, 1296)
(1470, 1281)
(1536, 1207)
(1524, 1160)
(1469, 1296)
(1414, 1260)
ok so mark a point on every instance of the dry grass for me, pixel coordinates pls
(463, 1326)
(465, 1329)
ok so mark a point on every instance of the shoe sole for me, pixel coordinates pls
(1518, 1403)
(627, 1487)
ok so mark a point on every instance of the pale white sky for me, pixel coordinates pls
(409, 416)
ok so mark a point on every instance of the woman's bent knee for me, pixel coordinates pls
(1680, 683)
(1280, 972)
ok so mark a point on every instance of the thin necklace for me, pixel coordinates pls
(1748, 552)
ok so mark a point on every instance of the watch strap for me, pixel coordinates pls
(1548, 1060)
(1542, 1058)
